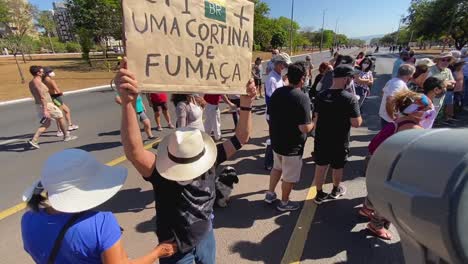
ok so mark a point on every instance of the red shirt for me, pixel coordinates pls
(212, 99)
(158, 98)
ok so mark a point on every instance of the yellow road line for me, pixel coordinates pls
(293, 252)
(20, 207)
(12, 210)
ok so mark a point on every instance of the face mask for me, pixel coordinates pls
(364, 66)
(52, 74)
(284, 72)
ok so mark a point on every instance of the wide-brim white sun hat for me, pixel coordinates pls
(185, 154)
(425, 62)
(445, 55)
(75, 181)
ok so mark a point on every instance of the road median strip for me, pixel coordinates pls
(21, 206)
(296, 244)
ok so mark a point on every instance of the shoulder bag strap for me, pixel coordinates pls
(58, 241)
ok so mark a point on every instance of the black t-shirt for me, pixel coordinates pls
(183, 213)
(288, 108)
(335, 108)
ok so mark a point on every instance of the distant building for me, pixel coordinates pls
(9, 28)
(64, 22)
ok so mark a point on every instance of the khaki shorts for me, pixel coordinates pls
(54, 111)
(290, 166)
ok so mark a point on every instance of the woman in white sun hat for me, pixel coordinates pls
(61, 226)
(182, 174)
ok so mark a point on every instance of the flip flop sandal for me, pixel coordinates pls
(381, 233)
(366, 212)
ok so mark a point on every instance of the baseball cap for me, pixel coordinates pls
(346, 59)
(344, 70)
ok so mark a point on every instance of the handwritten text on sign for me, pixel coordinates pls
(200, 46)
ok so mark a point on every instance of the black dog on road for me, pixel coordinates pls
(224, 185)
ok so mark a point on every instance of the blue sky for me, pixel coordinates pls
(356, 18)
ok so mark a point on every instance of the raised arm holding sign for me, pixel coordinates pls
(183, 167)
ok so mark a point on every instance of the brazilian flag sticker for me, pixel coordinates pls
(216, 9)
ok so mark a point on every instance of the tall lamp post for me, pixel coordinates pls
(399, 27)
(336, 33)
(323, 24)
(291, 33)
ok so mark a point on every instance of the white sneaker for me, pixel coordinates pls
(69, 138)
(73, 127)
(34, 144)
(59, 133)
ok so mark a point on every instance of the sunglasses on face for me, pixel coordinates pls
(445, 60)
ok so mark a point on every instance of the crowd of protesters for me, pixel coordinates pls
(421, 93)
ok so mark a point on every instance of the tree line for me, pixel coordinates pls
(97, 21)
(431, 22)
(275, 33)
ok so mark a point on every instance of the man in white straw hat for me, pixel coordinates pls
(182, 174)
(422, 70)
(442, 72)
(61, 226)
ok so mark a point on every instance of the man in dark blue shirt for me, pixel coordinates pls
(290, 121)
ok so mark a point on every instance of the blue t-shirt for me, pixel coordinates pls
(84, 242)
(396, 66)
(139, 106)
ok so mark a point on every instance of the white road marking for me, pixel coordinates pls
(6, 142)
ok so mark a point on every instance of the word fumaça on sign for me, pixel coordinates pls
(207, 35)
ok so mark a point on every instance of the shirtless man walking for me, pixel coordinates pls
(46, 110)
(57, 98)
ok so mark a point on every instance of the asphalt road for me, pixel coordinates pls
(248, 231)
(99, 120)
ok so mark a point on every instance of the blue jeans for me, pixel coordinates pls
(466, 92)
(203, 253)
(448, 100)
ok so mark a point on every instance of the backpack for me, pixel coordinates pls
(385, 133)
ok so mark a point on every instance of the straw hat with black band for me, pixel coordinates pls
(185, 155)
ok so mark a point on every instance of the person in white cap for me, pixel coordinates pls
(422, 71)
(182, 174)
(274, 81)
(61, 226)
(309, 67)
(275, 77)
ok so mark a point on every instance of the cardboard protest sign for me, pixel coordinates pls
(202, 46)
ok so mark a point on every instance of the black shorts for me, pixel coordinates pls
(57, 99)
(335, 157)
(258, 82)
(156, 106)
